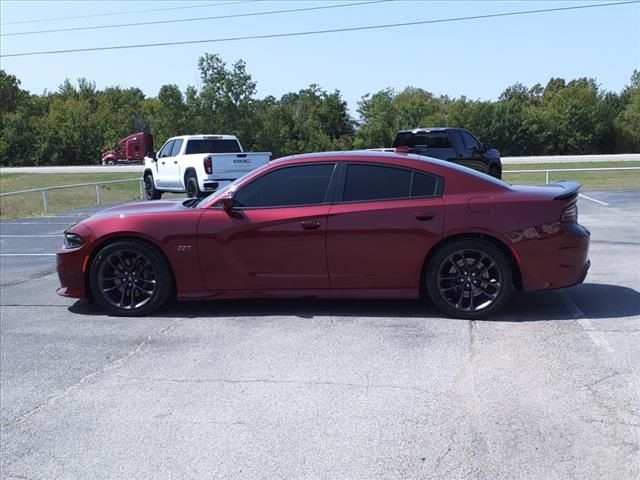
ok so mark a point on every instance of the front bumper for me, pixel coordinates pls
(71, 266)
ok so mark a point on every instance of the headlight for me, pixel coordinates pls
(72, 240)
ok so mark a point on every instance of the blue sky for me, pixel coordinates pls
(476, 58)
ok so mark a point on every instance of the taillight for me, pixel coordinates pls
(570, 214)
(208, 165)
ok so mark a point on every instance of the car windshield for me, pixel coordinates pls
(230, 186)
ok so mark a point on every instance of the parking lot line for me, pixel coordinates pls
(27, 254)
(583, 321)
(594, 200)
(32, 236)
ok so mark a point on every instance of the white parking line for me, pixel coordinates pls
(27, 254)
(585, 323)
(59, 235)
(594, 200)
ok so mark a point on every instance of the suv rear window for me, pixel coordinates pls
(428, 139)
(212, 146)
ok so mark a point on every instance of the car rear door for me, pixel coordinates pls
(384, 221)
(274, 239)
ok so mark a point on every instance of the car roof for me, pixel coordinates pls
(384, 157)
(429, 129)
(205, 136)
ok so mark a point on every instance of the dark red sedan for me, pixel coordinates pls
(334, 225)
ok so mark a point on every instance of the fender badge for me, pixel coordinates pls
(184, 248)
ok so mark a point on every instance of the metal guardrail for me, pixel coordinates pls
(547, 170)
(45, 190)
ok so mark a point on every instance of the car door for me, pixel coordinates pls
(161, 164)
(472, 154)
(171, 165)
(384, 221)
(274, 238)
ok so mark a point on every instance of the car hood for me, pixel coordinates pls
(140, 208)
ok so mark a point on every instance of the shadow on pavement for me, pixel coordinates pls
(594, 300)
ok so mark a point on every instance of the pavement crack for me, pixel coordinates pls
(112, 365)
(366, 386)
(35, 276)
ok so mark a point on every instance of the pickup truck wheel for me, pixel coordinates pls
(150, 190)
(193, 190)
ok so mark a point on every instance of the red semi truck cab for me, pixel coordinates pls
(131, 149)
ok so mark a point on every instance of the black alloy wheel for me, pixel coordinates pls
(150, 190)
(130, 278)
(469, 279)
(193, 190)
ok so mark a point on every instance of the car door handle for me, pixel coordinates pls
(310, 224)
(162, 163)
(424, 217)
(175, 161)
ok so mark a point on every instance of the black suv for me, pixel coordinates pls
(453, 144)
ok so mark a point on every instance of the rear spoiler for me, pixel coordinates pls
(571, 189)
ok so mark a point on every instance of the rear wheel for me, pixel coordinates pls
(469, 278)
(191, 182)
(129, 278)
(150, 190)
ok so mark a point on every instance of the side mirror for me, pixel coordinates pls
(152, 156)
(228, 202)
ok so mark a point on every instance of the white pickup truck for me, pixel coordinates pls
(198, 165)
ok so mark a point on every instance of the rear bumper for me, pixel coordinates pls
(558, 261)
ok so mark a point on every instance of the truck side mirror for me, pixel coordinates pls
(152, 156)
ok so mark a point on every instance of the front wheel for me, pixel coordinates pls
(150, 190)
(129, 278)
(469, 278)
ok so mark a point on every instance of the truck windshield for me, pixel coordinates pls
(212, 146)
(422, 139)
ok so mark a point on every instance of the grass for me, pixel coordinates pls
(598, 180)
(30, 204)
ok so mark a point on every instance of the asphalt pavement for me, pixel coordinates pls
(549, 389)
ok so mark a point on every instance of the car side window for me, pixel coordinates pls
(177, 145)
(379, 182)
(424, 185)
(288, 186)
(375, 182)
(469, 141)
(166, 150)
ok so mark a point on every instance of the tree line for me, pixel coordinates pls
(74, 124)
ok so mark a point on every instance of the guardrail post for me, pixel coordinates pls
(141, 189)
(546, 176)
(97, 194)
(44, 200)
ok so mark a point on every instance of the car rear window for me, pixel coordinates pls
(422, 139)
(212, 146)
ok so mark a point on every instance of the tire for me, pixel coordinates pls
(191, 185)
(471, 289)
(495, 171)
(111, 162)
(130, 278)
(150, 190)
